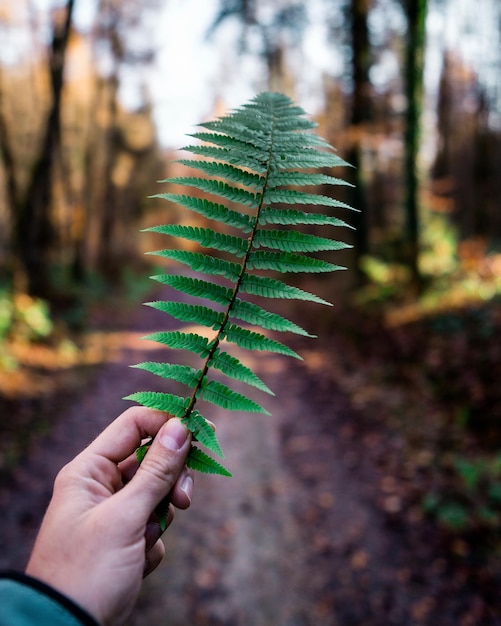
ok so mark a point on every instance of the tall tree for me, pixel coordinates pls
(11, 180)
(121, 32)
(7, 155)
(414, 72)
(361, 115)
(32, 220)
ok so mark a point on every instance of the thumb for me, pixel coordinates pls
(160, 467)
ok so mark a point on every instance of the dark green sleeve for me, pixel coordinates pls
(26, 601)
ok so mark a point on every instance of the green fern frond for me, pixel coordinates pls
(272, 288)
(196, 287)
(295, 241)
(180, 373)
(223, 396)
(291, 196)
(203, 432)
(287, 262)
(286, 218)
(304, 159)
(255, 315)
(251, 340)
(302, 179)
(203, 263)
(181, 341)
(175, 405)
(201, 462)
(255, 164)
(210, 210)
(220, 188)
(206, 237)
(227, 172)
(230, 366)
(191, 313)
(233, 157)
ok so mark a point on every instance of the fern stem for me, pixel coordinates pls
(220, 333)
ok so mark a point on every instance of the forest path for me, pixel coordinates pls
(295, 538)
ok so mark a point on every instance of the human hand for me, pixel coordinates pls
(99, 537)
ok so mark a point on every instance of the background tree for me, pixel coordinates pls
(73, 165)
(414, 73)
(120, 34)
(361, 114)
(31, 216)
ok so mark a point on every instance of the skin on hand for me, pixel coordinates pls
(99, 536)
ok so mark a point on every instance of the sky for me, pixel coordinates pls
(191, 71)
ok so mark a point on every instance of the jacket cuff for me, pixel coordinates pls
(29, 597)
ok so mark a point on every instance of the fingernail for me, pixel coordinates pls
(173, 435)
(187, 486)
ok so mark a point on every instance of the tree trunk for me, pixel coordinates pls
(416, 19)
(361, 113)
(12, 189)
(106, 258)
(33, 228)
(8, 159)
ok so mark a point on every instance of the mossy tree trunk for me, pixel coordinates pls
(361, 115)
(414, 71)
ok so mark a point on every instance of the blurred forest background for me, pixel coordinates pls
(93, 102)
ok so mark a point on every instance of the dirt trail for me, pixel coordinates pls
(293, 539)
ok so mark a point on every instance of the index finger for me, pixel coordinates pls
(121, 438)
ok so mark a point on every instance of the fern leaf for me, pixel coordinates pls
(180, 373)
(288, 140)
(244, 142)
(292, 196)
(190, 313)
(295, 241)
(251, 340)
(210, 210)
(254, 314)
(280, 178)
(227, 172)
(196, 287)
(174, 405)
(285, 125)
(201, 462)
(272, 288)
(181, 341)
(310, 158)
(292, 217)
(205, 237)
(203, 432)
(221, 395)
(203, 263)
(233, 157)
(220, 188)
(142, 450)
(240, 133)
(287, 262)
(258, 159)
(230, 366)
